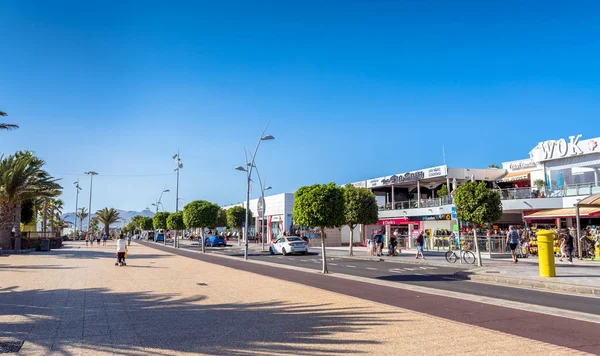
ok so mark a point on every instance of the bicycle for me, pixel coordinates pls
(466, 255)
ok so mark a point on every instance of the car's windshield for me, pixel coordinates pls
(292, 239)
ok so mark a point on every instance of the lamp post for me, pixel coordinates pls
(159, 203)
(248, 171)
(177, 159)
(261, 206)
(78, 188)
(91, 174)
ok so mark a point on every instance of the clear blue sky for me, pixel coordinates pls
(355, 89)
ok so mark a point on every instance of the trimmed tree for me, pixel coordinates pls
(442, 192)
(147, 223)
(477, 204)
(175, 221)
(222, 218)
(159, 221)
(319, 205)
(236, 217)
(360, 208)
(200, 214)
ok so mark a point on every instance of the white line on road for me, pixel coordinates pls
(279, 257)
(304, 260)
(450, 278)
(291, 258)
(372, 269)
(350, 266)
(333, 264)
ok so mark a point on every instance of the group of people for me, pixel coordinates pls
(90, 238)
(375, 244)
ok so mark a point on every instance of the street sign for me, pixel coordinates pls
(260, 207)
(453, 212)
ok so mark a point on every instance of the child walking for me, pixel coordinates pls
(121, 249)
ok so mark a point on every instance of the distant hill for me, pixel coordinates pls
(125, 217)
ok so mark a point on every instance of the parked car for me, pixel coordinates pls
(160, 237)
(150, 235)
(290, 244)
(215, 240)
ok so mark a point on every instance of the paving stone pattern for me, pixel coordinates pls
(74, 301)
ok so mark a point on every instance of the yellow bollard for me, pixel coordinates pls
(545, 240)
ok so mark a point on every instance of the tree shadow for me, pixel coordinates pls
(100, 320)
(90, 253)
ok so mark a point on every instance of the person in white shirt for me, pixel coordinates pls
(121, 249)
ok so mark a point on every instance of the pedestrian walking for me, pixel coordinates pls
(379, 244)
(98, 239)
(121, 249)
(512, 240)
(570, 246)
(104, 238)
(87, 239)
(91, 239)
(563, 248)
(420, 244)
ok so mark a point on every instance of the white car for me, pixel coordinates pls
(290, 244)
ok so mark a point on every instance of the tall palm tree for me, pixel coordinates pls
(94, 225)
(7, 127)
(22, 177)
(107, 217)
(56, 206)
(82, 214)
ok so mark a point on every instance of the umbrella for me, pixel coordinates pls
(454, 184)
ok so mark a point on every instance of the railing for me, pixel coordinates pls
(569, 190)
(415, 204)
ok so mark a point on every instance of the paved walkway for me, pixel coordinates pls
(74, 301)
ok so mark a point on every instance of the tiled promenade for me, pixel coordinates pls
(74, 301)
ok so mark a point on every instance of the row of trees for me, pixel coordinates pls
(331, 206)
(199, 214)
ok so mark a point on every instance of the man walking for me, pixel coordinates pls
(512, 240)
(379, 243)
(420, 244)
(570, 246)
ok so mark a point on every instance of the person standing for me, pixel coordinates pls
(379, 243)
(104, 238)
(512, 239)
(87, 239)
(570, 246)
(121, 249)
(420, 243)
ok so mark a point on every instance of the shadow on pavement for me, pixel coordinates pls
(98, 320)
(411, 277)
(33, 268)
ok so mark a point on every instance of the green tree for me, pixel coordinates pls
(200, 214)
(442, 192)
(360, 208)
(236, 218)
(94, 222)
(319, 205)
(147, 223)
(27, 211)
(159, 221)
(494, 166)
(82, 214)
(137, 222)
(175, 221)
(22, 178)
(222, 218)
(477, 204)
(7, 127)
(107, 217)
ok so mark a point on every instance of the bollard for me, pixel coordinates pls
(545, 240)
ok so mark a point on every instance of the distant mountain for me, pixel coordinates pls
(125, 218)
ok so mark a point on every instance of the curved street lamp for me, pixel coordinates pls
(250, 165)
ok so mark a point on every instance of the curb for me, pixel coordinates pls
(379, 259)
(530, 283)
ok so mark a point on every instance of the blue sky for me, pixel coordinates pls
(355, 89)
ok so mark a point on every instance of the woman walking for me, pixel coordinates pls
(104, 238)
(420, 243)
(87, 239)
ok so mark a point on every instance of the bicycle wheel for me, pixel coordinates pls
(451, 257)
(469, 257)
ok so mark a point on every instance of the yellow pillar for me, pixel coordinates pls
(545, 241)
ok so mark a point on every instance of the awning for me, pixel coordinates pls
(514, 177)
(591, 200)
(563, 213)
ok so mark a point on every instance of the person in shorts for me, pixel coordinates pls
(104, 238)
(512, 240)
(420, 243)
(379, 244)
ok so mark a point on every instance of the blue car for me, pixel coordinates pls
(214, 240)
(160, 237)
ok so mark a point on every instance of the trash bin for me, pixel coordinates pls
(45, 245)
(545, 241)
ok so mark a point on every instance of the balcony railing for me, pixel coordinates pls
(569, 190)
(415, 204)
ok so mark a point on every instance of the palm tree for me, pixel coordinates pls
(22, 177)
(107, 217)
(56, 206)
(94, 225)
(82, 214)
(7, 127)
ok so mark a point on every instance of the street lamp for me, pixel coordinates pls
(91, 174)
(78, 188)
(250, 165)
(261, 206)
(159, 203)
(177, 159)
